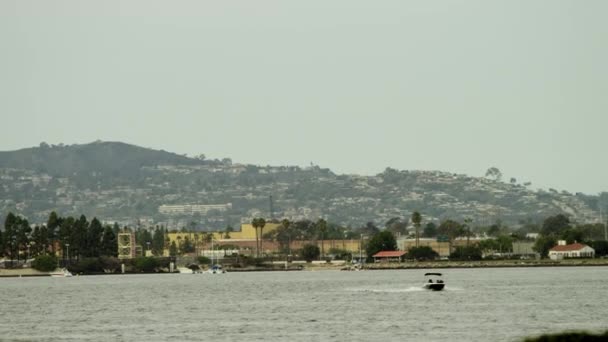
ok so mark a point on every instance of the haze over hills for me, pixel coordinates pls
(118, 182)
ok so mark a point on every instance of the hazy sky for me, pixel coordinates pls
(355, 86)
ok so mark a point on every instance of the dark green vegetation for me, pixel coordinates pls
(382, 241)
(122, 182)
(310, 252)
(82, 246)
(559, 227)
(422, 253)
(90, 247)
(44, 263)
(570, 337)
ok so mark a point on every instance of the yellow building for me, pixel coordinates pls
(247, 232)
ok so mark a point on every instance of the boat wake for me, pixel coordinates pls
(407, 289)
(400, 290)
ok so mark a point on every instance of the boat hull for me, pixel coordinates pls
(434, 286)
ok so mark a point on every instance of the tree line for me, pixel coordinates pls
(77, 238)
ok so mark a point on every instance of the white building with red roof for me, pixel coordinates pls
(573, 250)
(389, 256)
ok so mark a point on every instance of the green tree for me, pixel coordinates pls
(203, 260)
(109, 244)
(422, 253)
(416, 219)
(145, 264)
(52, 224)
(504, 244)
(543, 244)
(11, 223)
(493, 230)
(258, 223)
(495, 173)
(370, 229)
(78, 238)
(36, 243)
(23, 235)
(158, 241)
(186, 246)
(396, 226)
(93, 239)
(310, 252)
(382, 241)
(572, 235)
(64, 234)
(555, 225)
(601, 247)
(44, 263)
(450, 229)
(430, 230)
(173, 249)
(284, 235)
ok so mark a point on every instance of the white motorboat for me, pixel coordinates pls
(216, 269)
(433, 281)
(62, 273)
(185, 270)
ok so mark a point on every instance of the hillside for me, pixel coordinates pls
(131, 184)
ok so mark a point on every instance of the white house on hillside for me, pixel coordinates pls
(575, 250)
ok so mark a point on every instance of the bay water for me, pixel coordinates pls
(489, 304)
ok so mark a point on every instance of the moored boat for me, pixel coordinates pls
(62, 273)
(216, 269)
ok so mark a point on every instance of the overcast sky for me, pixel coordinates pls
(356, 86)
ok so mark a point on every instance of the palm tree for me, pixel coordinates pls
(322, 228)
(261, 224)
(416, 219)
(258, 223)
(285, 223)
(254, 223)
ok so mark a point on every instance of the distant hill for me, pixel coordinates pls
(133, 185)
(105, 157)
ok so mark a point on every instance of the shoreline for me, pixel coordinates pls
(408, 265)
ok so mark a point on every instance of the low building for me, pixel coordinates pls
(524, 249)
(574, 250)
(389, 256)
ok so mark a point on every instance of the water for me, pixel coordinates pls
(477, 305)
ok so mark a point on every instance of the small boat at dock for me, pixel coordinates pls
(62, 273)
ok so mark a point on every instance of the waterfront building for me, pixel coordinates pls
(574, 250)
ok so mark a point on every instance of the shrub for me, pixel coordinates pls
(570, 337)
(145, 264)
(87, 265)
(203, 260)
(109, 264)
(422, 253)
(310, 252)
(45, 263)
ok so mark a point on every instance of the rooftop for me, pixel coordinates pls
(567, 248)
(389, 254)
